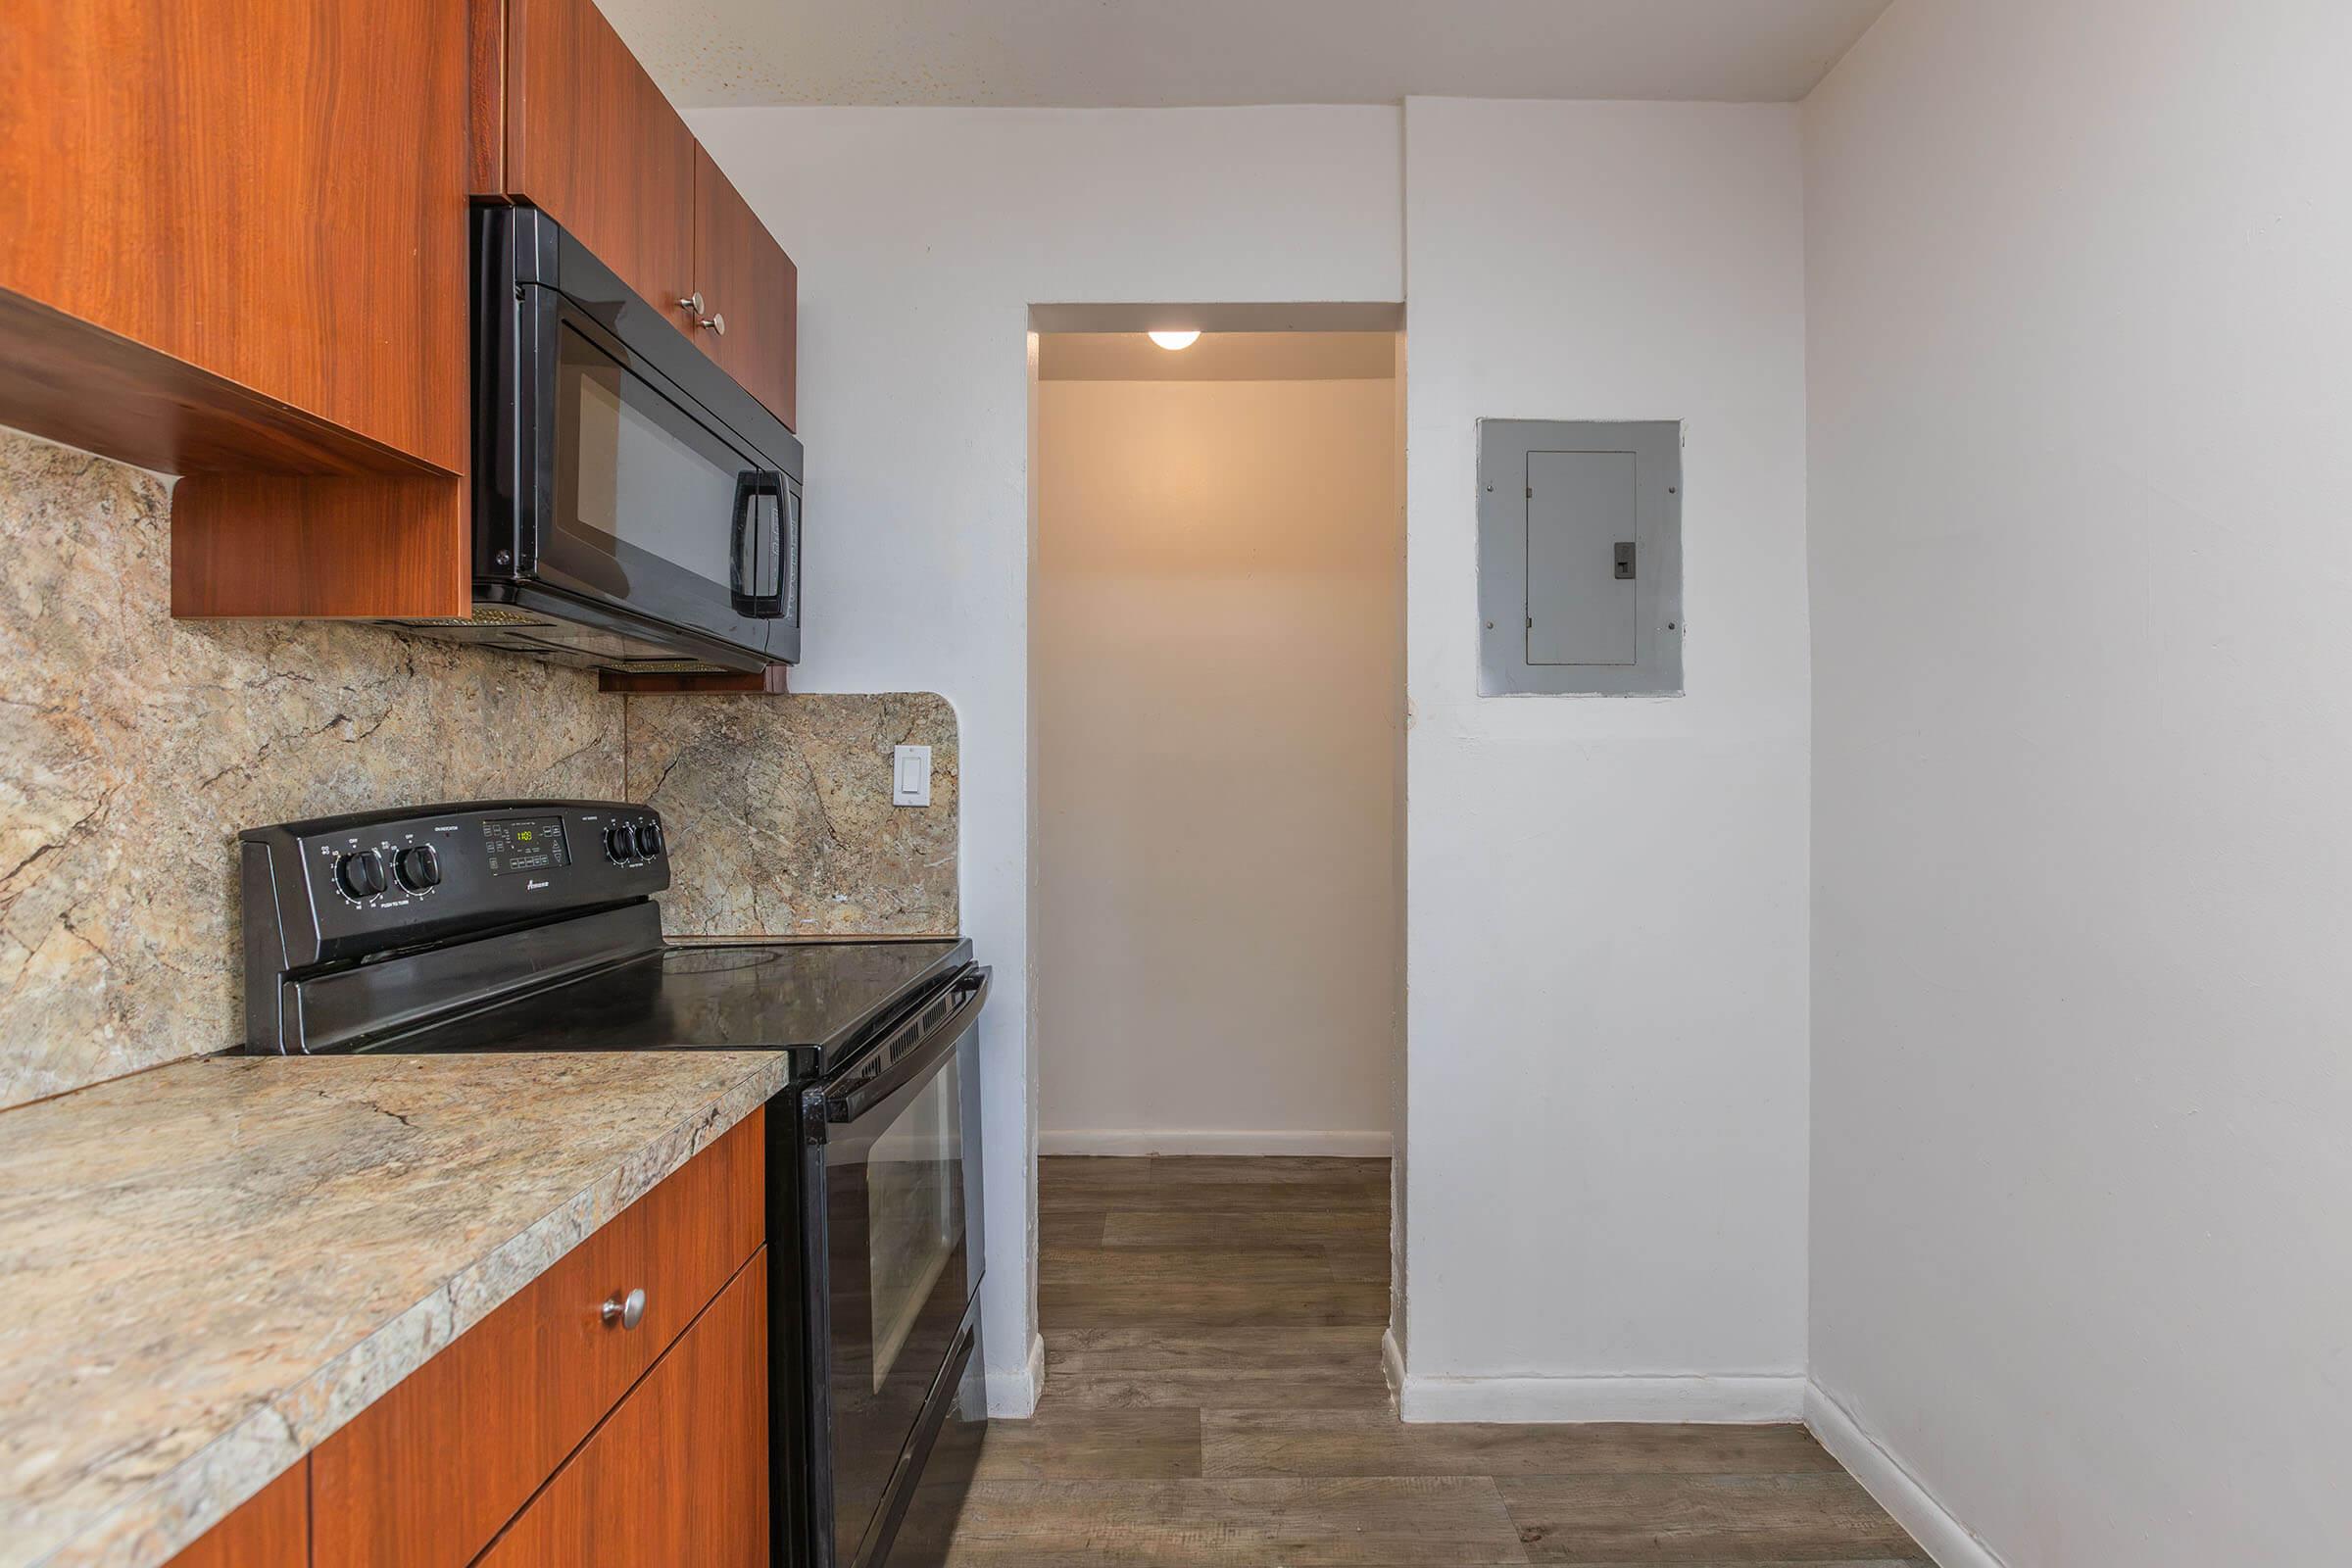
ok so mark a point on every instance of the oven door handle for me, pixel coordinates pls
(855, 1099)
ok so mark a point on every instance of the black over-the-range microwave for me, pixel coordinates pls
(634, 508)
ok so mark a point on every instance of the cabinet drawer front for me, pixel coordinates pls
(428, 1474)
(679, 1472)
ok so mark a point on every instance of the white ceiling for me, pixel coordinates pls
(1165, 53)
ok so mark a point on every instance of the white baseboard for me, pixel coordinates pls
(1198, 1140)
(1676, 1398)
(1886, 1477)
(1012, 1396)
(1391, 1362)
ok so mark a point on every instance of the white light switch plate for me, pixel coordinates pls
(911, 776)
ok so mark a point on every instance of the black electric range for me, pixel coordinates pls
(531, 926)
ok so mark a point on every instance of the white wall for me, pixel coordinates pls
(922, 236)
(1213, 663)
(2081, 445)
(1607, 900)
(1606, 1008)
(2080, 561)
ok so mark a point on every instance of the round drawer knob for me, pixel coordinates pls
(626, 1310)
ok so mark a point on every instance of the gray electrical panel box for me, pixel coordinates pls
(1579, 558)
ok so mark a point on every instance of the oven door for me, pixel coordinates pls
(652, 505)
(892, 1229)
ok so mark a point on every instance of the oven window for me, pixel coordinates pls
(914, 1211)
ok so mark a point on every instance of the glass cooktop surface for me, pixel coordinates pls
(825, 996)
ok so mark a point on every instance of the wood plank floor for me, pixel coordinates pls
(1213, 1399)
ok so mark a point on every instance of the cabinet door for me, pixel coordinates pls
(678, 1472)
(591, 141)
(748, 280)
(232, 234)
(271, 1528)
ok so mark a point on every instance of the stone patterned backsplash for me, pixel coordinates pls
(132, 747)
(779, 817)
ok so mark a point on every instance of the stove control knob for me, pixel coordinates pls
(360, 873)
(649, 839)
(619, 842)
(417, 868)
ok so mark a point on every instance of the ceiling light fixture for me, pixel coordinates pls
(1175, 340)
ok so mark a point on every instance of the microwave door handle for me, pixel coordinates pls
(771, 504)
(850, 1103)
(740, 572)
(755, 489)
(788, 555)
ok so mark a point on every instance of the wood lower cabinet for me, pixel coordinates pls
(677, 1473)
(747, 280)
(232, 235)
(271, 1528)
(426, 1475)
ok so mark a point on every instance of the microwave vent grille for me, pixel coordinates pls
(485, 615)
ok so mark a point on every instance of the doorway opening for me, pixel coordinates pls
(1216, 713)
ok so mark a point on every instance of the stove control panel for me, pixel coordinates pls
(349, 888)
(634, 840)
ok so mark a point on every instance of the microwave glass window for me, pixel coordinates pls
(647, 479)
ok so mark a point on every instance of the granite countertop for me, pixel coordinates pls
(207, 1268)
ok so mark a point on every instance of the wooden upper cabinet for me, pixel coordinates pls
(566, 119)
(747, 281)
(678, 1473)
(582, 134)
(233, 234)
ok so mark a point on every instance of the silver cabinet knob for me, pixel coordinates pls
(626, 1310)
(716, 324)
(692, 302)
